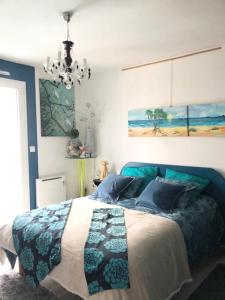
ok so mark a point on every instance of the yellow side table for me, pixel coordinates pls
(81, 172)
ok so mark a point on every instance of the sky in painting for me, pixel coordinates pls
(207, 110)
(175, 112)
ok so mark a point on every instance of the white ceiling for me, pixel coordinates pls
(110, 33)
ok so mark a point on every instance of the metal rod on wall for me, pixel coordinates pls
(173, 58)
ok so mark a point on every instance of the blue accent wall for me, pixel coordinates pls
(27, 74)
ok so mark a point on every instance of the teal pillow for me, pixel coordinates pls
(183, 177)
(149, 173)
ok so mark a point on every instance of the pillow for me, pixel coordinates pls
(160, 195)
(134, 189)
(111, 187)
(149, 173)
(183, 177)
(189, 195)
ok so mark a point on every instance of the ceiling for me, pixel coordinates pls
(110, 33)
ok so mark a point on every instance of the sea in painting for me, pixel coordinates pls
(163, 121)
(57, 109)
(207, 119)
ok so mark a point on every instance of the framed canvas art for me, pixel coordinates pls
(207, 119)
(155, 122)
(57, 108)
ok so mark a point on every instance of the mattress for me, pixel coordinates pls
(157, 258)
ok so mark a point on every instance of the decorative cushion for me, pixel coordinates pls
(189, 195)
(111, 187)
(149, 173)
(183, 177)
(160, 195)
(134, 189)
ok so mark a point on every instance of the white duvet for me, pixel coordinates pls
(157, 256)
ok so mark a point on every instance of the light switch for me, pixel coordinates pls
(32, 148)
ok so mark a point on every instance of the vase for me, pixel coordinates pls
(89, 141)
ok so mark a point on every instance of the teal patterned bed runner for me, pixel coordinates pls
(105, 253)
(37, 240)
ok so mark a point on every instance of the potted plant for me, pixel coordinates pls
(74, 146)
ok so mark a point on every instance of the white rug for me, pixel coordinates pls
(13, 287)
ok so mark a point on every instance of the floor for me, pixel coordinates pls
(13, 279)
(213, 288)
(12, 287)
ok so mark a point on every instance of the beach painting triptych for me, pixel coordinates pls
(207, 119)
(192, 120)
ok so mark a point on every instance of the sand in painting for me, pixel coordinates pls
(149, 132)
(207, 131)
(207, 119)
(180, 131)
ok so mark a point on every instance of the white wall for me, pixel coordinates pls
(197, 79)
(52, 152)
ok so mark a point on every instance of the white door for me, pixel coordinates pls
(14, 172)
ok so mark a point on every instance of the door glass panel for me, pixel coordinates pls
(11, 186)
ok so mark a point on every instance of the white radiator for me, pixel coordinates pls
(50, 190)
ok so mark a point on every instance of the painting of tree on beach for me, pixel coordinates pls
(162, 121)
(207, 119)
(57, 109)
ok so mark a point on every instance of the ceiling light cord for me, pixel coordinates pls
(68, 30)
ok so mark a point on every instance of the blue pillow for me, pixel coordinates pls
(160, 195)
(134, 189)
(189, 195)
(111, 187)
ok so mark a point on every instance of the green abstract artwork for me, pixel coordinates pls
(57, 108)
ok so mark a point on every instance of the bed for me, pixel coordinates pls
(160, 262)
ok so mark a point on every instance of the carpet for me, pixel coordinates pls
(213, 287)
(13, 287)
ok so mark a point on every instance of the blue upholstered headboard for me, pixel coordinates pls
(216, 188)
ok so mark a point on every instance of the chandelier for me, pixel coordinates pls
(64, 69)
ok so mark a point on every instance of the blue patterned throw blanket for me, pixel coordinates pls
(37, 240)
(105, 253)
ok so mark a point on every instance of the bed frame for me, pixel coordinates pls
(215, 189)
